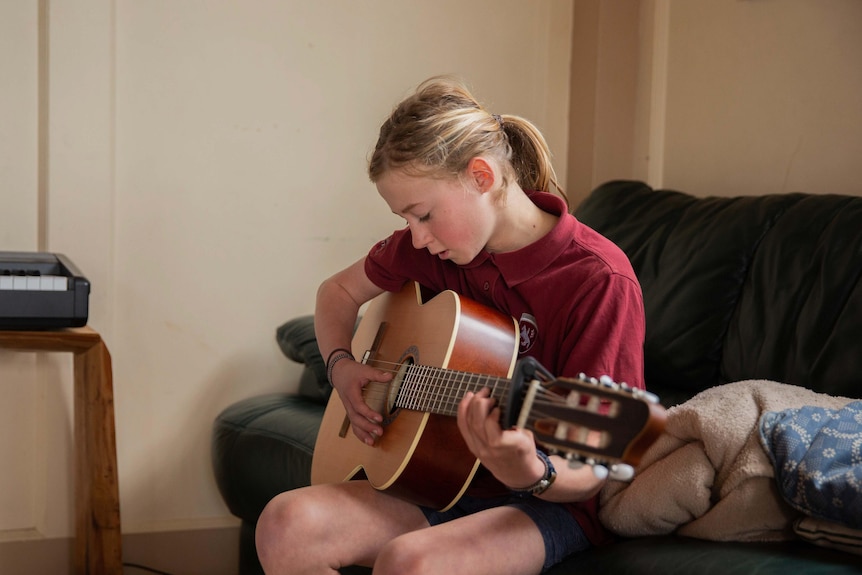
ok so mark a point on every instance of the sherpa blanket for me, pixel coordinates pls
(708, 475)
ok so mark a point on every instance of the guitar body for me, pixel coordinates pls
(421, 456)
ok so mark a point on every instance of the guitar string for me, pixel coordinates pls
(574, 436)
(425, 392)
(566, 433)
(423, 384)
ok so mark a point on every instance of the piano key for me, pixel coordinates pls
(59, 283)
(34, 283)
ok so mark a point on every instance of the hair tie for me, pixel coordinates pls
(499, 119)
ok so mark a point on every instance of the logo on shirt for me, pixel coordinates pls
(529, 332)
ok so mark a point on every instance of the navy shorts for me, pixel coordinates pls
(561, 533)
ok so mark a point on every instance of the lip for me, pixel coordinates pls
(442, 254)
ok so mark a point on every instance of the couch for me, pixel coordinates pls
(735, 288)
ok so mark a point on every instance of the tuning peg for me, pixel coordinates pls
(600, 471)
(622, 472)
(607, 381)
(587, 379)
(574, 461)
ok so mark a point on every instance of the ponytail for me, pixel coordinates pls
(441, 127)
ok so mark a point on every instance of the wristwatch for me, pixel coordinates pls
(544, 482)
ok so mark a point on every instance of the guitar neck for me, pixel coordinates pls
(437, 390)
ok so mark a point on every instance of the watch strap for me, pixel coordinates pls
(544, 482)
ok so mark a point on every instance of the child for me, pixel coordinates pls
(474, 189)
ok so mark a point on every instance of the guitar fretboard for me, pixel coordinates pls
(437, 390)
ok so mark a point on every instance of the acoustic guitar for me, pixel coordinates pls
(441, 349)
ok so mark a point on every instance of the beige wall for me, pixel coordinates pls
(204, 164)
(720, 97)
(764, 97)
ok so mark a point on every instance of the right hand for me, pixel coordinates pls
(349, 378)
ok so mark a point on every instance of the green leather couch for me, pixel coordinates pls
(749, 287)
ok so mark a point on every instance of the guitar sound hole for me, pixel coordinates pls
(387, 403)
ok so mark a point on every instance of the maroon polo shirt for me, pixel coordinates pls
(574, 293)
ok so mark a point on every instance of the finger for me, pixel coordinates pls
(363, 420)
(353, 400)
(364, 429)
(480, 406)
(492, 429)
(384, 376)
(473, 411)
(368, 437)
(363, 410)
(463, 418)
(366, 419)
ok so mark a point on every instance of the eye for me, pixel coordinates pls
(425, 218)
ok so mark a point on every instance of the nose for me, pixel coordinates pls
(420, 236)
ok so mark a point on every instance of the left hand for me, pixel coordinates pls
(510, 454)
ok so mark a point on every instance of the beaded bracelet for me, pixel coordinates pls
(334, 357)
(544, 482)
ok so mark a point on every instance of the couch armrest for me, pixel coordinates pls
(298, 342)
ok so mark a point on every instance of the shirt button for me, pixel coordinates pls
(487, 286)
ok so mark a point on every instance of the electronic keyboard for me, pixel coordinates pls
(41, 291)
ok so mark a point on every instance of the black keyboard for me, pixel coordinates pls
(41, 291)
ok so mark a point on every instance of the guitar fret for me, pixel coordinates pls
(457, 393)
(434, 390)
(430, 390)
(499, 384)
(422, 389)
(439, 390)
(415, 381)
(409, 388)
(476, 384)
(439, 393)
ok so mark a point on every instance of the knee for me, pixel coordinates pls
(281, 531)
(404, 555)
(270, 530)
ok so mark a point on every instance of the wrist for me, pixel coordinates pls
(335, 356)
(544, 482)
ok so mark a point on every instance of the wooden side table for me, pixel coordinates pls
(98, 547)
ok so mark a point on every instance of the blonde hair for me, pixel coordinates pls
(441, 127)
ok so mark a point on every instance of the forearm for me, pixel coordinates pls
(338, 301)
(334, 317)
(572, 484)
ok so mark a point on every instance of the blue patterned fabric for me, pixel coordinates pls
(817, 454)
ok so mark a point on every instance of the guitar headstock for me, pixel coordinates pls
(587, 420)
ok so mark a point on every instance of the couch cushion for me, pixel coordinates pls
(262, 446)
(750, 287)
(674, 555)
(801, 305)
(298, 342)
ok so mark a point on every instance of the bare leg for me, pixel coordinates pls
(317, 530)
(498, 541)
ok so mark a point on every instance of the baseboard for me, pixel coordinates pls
(212, 551)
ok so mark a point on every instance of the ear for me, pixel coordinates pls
(481, 173)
